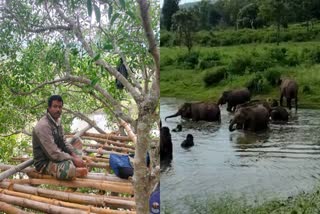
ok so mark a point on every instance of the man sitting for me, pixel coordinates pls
(52, 154)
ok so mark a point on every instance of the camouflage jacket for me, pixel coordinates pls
(48, 143)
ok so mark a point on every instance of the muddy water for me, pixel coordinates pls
(278, 163)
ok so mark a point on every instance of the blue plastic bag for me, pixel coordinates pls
(154, 202)
(121, 166)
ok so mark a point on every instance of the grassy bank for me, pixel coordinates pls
(307, 203)
(183, 73)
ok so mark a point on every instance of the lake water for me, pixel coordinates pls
(278, 163)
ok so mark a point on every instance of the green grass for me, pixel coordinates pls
(306, 203)
(177, 80)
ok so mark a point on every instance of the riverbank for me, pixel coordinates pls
(183, 74)
(302, 203)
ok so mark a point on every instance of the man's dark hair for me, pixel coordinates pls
(54, 97)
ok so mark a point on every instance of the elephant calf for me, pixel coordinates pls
(289, 90)
(234, 98)
(279, 113)
(188, 142)
(252, 118)
(198, 111)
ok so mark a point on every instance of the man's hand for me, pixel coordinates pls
(77, 161)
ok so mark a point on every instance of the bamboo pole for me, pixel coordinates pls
(102, 185)
(88, 158)
(8, 208)
(80, 198)
(131, 135)
(79, 133)
(116, 148)
(15, 169)
(61, 203)
(108, 136)
(47, 208)
(101, 140)
(94, 176)
(102, 151)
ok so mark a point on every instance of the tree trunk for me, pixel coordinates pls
(141, 180)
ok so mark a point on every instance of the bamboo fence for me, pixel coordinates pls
(94, 193)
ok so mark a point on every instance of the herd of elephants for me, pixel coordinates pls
(249, 115)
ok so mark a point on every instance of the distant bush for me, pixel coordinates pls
(258, 84)
(292, 59)
(260, 63)
(211, 60)
(215, 76)
(272, 75)
(278, 54)
(306, 89)
(311, 56)
(189, 60)
(165, 39)
(239, 64)
(166, 61)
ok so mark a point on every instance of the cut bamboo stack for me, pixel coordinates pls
(98, 192)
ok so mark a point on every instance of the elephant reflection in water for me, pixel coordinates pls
(198, 111)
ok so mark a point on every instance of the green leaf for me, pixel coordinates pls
(94, 81)
(97, 12)
(131, 14)
(96, 57)
(107, 46)
(114, 17)
(89, 7)
(123, 4)
(110, 9)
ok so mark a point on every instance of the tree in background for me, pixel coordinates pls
(277, 11)
(184, 24)
(72, 48)
(169, 8)
(248, 15)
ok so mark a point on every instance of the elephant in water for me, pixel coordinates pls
(289, 90)
(279, 113)
(188, 142)
(165, 144)
(252, 118)
(234, 98)
(198, 111)
(178, 128)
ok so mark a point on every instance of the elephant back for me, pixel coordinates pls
(239, 96)
(205, 111)
(289, 88)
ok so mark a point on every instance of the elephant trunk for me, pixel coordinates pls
(174, 115)
(231, 129)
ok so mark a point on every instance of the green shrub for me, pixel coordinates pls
(306, 89)
(211, 60)
(189, 60)
(260, 63)
(257, 84)
(166, 61)
(292, 59)
(311, 56)
(165, 38)
(239, 64)
(215, 76)
(278, 55)
(272, 75)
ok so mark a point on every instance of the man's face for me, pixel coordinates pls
(55, 109)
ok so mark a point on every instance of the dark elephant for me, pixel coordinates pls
(289, 90)
(188, 142)
(253, 103)
(234, 98)
(252, 118)
(165, 144)
(279, 113)
(178, 128)
(199, 111)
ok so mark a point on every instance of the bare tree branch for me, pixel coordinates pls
(85, 118)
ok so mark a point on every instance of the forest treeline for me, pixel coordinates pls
(201, 23)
